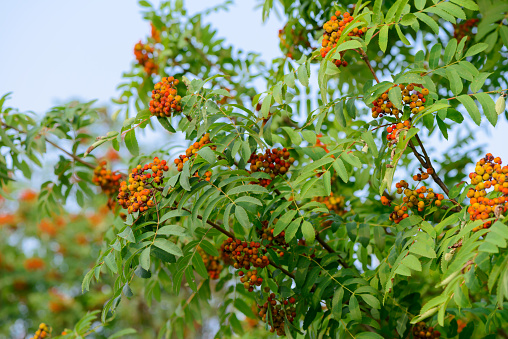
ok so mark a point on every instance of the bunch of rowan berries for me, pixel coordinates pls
(333, 203)
(138, 193)
(193, 149)
(144, 54)
(245, 256)
(418, 198)
(394, 130)
(421, 330)
(333, 32)
(42, 332)
(274, 162)
(278, 311)
(108, 181)
(212, 264)
(464, 29)
(412, 97)
(488, 174)
(165, 100)
(276, 242)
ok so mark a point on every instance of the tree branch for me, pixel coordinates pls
(231, 235)
(330, 250)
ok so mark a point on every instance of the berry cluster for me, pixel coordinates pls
(279, 312)
(413, 198)
(274, 162)
(108, 181)
(411, 97)
(212, 264)
(394, 130)
(136, 195)
(277, 243)
(193, 149)
(333, 31)
(488, 174)
(165, 100)
(244, 255)
(464, 29)
(421, 330)
(42, 332)
(333, 203)
(145, 57)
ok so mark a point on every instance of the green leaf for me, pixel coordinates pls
(144, 259)
(383, 38)
(199, 265)
(255, 189)
(127, 234)
(209, 248)
(277, 93)
(401, 35)
(395, 96)
(292, 229)
(327, 181)
(354, 308)
(371, 300)
(242, 306)
(460, 48)
(296, 139)
(303, 76)
(110, 262)
(165, 123)
(408, 19)
(242, 217)
(351, 44)
(475, 49)
(428, 21)
(469, 4)
(435, 54)
(364, 234)
(131, 142)
(184, 176)
(207, 154)
(265, 106)
(450, 49)
(420, 4)
(338, 110)
(422, 249)
(337, 303)
(489, 107)
(412, 262)
(168, 247)
(308, 232)
(455, 81)
(478, 81)
(471, 108)
(369, 139)
(338, 164)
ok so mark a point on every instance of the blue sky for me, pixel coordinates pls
(58, 50)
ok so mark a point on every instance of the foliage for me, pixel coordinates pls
(283, 207)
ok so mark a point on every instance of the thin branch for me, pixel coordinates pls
(367, 61)
(330, 250)
(73, 156)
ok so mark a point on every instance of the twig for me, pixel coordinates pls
(75, 157)
(330, 250)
